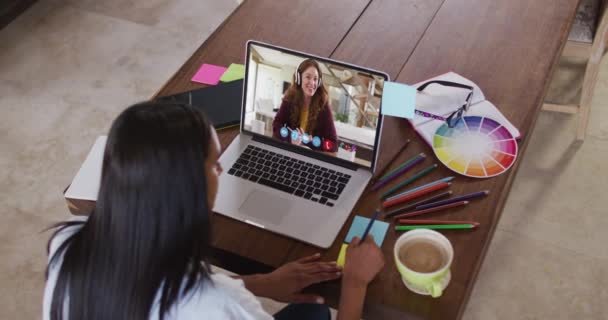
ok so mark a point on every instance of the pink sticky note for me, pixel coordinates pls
(209, 74)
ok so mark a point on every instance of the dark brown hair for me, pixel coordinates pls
(150, 229)
(295, 97)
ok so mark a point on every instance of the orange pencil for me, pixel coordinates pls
(429, 210)
(414, 195)
(411, 221)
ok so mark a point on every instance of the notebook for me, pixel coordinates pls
(85, 185)
(221, 103)
(442, 101)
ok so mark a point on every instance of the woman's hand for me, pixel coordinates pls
(286, 283)
(363, 262)
(298, 141)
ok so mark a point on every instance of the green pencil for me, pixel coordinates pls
(409, 180)
(401, 166)
(435, 227)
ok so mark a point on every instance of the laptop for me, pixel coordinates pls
(301, 182)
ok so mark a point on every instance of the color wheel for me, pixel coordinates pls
(477, 147)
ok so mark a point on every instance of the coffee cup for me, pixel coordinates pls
(423, 258)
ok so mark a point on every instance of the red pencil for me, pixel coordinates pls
(416, 194)
(433, 209)
(411, 221)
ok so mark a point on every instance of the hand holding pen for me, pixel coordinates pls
(364, 259)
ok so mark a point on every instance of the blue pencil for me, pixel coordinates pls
(447, 179)
(369, 225)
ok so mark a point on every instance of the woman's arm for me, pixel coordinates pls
(352, 298)
(364, 260)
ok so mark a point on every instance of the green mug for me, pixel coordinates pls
(428, 282)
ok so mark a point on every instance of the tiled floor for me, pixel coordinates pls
(67, 68)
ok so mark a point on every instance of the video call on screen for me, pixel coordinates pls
(276, 105)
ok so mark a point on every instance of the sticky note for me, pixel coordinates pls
(378, 230)
(342, 256)
(398, 100)
(234, 72)
(209, 74)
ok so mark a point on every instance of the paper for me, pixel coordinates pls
(442, 100)
(209, 74)
(234, 72)
(378, 230)
(398, 100)
(86, 183)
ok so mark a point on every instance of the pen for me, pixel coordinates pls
(369, 225)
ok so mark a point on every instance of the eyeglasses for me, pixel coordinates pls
(453, 119)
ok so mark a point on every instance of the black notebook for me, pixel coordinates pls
(221, 103)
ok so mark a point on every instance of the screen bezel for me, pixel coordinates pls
(301, 150)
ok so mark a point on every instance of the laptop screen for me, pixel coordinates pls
(314, 103)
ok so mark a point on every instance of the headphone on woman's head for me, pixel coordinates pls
(299, 77)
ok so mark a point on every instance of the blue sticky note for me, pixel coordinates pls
(398, 100)
(378, 230)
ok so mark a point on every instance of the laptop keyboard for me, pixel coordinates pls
(301, 178)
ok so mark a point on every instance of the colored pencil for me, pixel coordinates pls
(409, 180)
(414, 205)
(382, 174)
(448, 201)
(430, 210)
(414, 195)
(410, 221)
(396, 169)
(446, 179)
(369, 225)
(436, 227)
(403, 168)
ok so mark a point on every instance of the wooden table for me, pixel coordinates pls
(508, 47)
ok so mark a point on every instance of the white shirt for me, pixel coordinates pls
(226, 299)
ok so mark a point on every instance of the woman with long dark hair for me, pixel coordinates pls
(143, 252)
(305, 109)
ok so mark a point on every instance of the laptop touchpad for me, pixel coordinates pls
(264, 206)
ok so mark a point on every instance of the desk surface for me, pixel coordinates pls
(508, 47)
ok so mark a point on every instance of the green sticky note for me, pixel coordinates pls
(234, 72)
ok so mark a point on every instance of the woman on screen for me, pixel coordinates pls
(143, 253)
(305, 117)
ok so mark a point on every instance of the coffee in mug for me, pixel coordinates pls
(423, 258)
